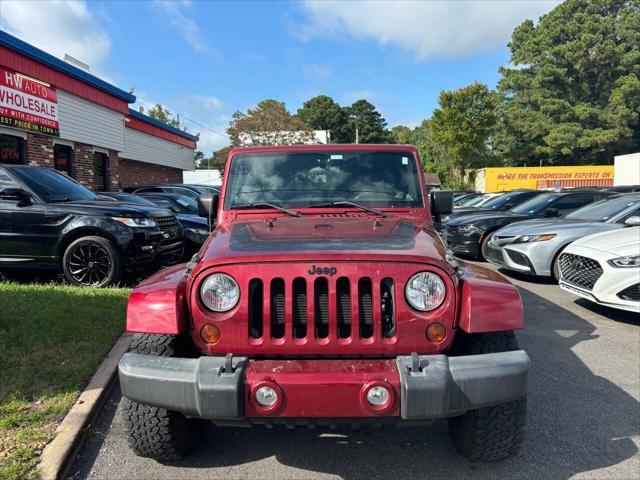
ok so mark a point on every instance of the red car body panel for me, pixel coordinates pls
(305, 385)
(158, 304)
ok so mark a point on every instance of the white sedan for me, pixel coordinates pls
(604, 268)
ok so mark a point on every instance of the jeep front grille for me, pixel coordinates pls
(319, 307)
(582, 272)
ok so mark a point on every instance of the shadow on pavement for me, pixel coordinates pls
(578, 422)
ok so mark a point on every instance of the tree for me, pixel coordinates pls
(372, 127)
(324, 113)
(573, 93)
(462, 126)
(160, 113)
(269, 123)
(401, 134)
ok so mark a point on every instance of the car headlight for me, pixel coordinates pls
(471, 228)
(625, 262)
(445, 218)
(534, 238)
(425, 291)
(135, 222)
(198, 231)
(220, 292)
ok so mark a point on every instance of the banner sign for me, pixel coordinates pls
(27, 103)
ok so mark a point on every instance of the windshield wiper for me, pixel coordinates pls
(346, 203)
(244, 206)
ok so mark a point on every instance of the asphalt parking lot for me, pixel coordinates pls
(584, 418)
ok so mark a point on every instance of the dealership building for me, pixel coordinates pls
(55, 114)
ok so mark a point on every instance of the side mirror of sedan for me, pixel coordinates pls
(633, 221)
(18, 195)
(508, 206)
(551, 212)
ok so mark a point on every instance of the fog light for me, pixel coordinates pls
(266, 396)
(378, 396)
(436, 333)
(210, 334)
(147, 248)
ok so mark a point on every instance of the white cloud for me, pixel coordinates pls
(58, 27)
(444, 29)
(188, 28)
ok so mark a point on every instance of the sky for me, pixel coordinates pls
(204, 60)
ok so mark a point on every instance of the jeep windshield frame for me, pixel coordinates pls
(308, 178)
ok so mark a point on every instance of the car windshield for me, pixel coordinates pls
(303, 179)
(53, 186)
(498, 202)
(604, 209)
(188, 205)
(475, 201)
(536, 204)
(132, 199)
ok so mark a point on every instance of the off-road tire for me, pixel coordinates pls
(155, 432)
(493, 433)
(108, 252)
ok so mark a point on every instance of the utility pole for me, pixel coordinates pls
(357, 139)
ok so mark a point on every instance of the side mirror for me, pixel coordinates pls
(508, 206)
(633, 221)
(441, 202)
(551, 212)
(18, 195)
(208, 207)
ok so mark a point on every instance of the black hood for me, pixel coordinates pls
(107, 208)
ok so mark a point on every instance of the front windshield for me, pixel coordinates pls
(303, 179)
(53, 186)
(475, 201)
(500, 201)
(188, 205)
(536, 204)
(604, 209)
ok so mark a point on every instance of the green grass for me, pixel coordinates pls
(52, 338)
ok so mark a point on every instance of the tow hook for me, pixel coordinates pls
(228, 369)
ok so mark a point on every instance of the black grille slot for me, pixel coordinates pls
(167, 223)
(299, 308)
(365, 307)
(321, 297)
(580, 271)
(277, 308)
(255, 308)
(631, 294)
(388, 308)
(343, 304)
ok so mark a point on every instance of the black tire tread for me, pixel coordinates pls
(493, 433)
(155, 432)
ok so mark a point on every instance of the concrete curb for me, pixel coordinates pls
(58, 453)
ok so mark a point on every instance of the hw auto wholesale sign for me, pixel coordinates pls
(28, 104)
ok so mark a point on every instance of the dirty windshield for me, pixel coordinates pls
(304, 179)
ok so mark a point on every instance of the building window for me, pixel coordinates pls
(100, 171)
(63, 158)
(11, 149)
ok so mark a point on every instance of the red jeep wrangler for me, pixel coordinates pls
(323, 297)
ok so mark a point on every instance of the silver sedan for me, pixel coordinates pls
(533, 246)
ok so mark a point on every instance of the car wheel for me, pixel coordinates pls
(555, 266)
(92, 262)
(484, 246)
(492, 433)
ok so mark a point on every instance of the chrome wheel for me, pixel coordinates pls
(89, 264)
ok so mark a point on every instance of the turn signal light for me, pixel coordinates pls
(210, 334)
(436, 333)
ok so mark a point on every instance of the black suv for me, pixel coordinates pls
(188, 190)
(467, 234)
(50, 220)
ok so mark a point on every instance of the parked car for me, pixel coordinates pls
(189, 190)
(605, 268)
(499, 203)
(195, 228)
(329, 301)
(477, 201)
(466, 235)
(459, 200)
(533, 246)
(48, 220)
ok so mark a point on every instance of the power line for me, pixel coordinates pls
(205, 127)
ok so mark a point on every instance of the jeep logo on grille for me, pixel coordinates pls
(331, 271)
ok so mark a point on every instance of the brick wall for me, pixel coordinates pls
(39, 149)
(134, 173)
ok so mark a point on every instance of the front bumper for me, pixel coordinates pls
(421, 387)
(463, 243)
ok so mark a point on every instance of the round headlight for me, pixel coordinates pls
(220, 292)
(425, 291)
